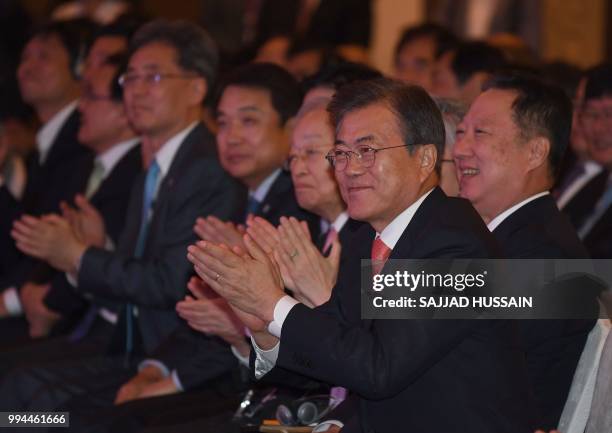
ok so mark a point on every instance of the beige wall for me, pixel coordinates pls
(574, 30)
(389, 18)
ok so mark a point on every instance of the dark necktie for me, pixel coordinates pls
(252, 206)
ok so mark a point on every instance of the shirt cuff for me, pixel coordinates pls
(265, 360)
(325, 425)
(244, 360)
(155, 363)
(177, 381)
(12, 302)
(281, 311)
(73, 278)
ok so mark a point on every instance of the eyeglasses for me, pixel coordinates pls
(339, 159)
(308, 155)
(150, 79)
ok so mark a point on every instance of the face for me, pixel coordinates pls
(103, 120)
(102, 48)
(491, 162)
(445, 84)
(44, 71)
(596, 120)
(313, 178)
(156, 107)
(251, 140)
(396, 179)
(415, 62)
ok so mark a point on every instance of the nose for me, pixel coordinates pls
(354, 166)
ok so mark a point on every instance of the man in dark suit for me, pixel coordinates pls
(104, 129)
(48, 80)
(406, 373)
(509, 147)
(170, 67)
(596, 228)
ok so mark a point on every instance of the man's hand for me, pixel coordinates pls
(214, 230)
(310, 275)
(212, 316)
(86, 222)
(264, 233)
(49, 238)
(249, 282)
(40, 318)
(146, 383)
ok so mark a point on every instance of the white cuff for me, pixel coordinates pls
(109, 245)
(177, 381)
(265, 360)
(244, 360)
(12, 302)
(155, 363)
(325, 425)
(281, 311)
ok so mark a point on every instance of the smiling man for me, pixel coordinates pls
(406, 372)
(508, 150)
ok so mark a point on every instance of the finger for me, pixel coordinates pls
(222, 258)
(85, 205)
(197, 287)
(261, 238)
(301, 237)
(23, 230)
(29, 249)
(285, 271)
(288, 243)
(334, 254)
(254, 250)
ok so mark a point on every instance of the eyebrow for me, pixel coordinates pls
(250, 108)
(360, 140)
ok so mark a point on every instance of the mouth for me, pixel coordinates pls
(469, 172)
(357, 189)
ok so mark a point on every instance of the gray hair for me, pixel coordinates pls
(452, 113)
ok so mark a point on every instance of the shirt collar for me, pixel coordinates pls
(592, 168)
(262, 190)
(110, 157)
(393, 232)
(165, 154)
(47, 134)
(495, 222)
(336, 225)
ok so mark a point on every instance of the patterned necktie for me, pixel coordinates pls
(95, 179)
(600, 208)
(329, 239)
(600, 417)
(380, 254)
(150, 189)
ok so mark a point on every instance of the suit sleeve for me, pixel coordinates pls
(158, 280)
(197, 358)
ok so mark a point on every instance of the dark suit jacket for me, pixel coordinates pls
(581, 205)
(553, 347)
(111, 200)
(409, 372)
(599, 240)
(195, 185)
(58, 179)
(199, 358)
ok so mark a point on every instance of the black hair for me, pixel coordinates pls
(473, 57)
(443, 38)
(196, 51)
(285, 92)
(599, 82)
(418, 116)
(539, 109)
(335, 75)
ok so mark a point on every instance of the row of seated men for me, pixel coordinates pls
(158, 262)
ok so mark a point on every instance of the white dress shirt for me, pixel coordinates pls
(265, 360)
(47, 134)
(591, 169)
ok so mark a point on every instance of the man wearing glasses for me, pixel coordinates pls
(170, 67)
(406, 372)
